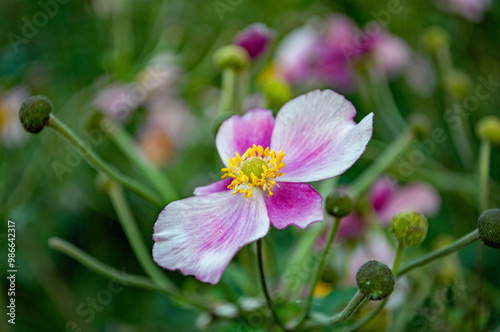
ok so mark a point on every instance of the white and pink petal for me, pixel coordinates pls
(237, 134)
(319, 137)
(213, 187)
(200, 235)
(296, 204)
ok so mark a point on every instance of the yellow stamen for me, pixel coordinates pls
(256, 168)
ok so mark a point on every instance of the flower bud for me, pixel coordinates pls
(489, 129)
(277, 92)
(420, 125)
(458, 84)
(254, 39)
(435, 39)
(35, 113)
(375, 280)
(489, 228)
(410, 228)
(338, 204)
(232, 57)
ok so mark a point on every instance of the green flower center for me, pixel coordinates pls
(253, 165)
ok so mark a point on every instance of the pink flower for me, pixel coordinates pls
(472, 10)
(387, 200)
(312, 138)
(392, 53)
(118, 101)
(254, 39)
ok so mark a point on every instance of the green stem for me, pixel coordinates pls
(458, 135)
(484, 174)
(134, 237)
(385, 100)
(227, 94)
(243, 83)
(348, 311)
(120, 32)
(381, 163)
(109, 272)
(95, 161)
(159, 180)
(369, 317)
(455, 246)
(320, 268)
(264, 286)
(397, 259)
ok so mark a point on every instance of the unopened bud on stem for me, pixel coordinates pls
(410, 228)
(35, 113)
(489, 228)
(375, 280)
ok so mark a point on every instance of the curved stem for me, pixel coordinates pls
(264, 286)
(348, 311)
(457, 245)
(381, 163)
(120, 276)
(369, 317)
(95, 161)
(320, 268)
(159, 180)
(397, 259)
(134, 237)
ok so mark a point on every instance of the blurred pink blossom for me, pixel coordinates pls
(255, 39)
(311, 56)
(388, 199)
(472, 10)
(118, 100)
(11, 131)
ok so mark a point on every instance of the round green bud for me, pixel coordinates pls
(489, 228)
(217, 122)
(375, 280)
(435, 39)
(338, 204)
(420, 125)
(410, 228)
(458, 84)
(277, 92)
(34, 113)
(232, 57)
(489, 129)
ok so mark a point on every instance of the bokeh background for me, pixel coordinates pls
(87, 46)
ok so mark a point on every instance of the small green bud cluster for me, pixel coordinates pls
(375, 280)
(410, 228)
(489, 228)
(338, 204)
(277, 92)
(489, 129)
(34, 113)
(232, 57)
